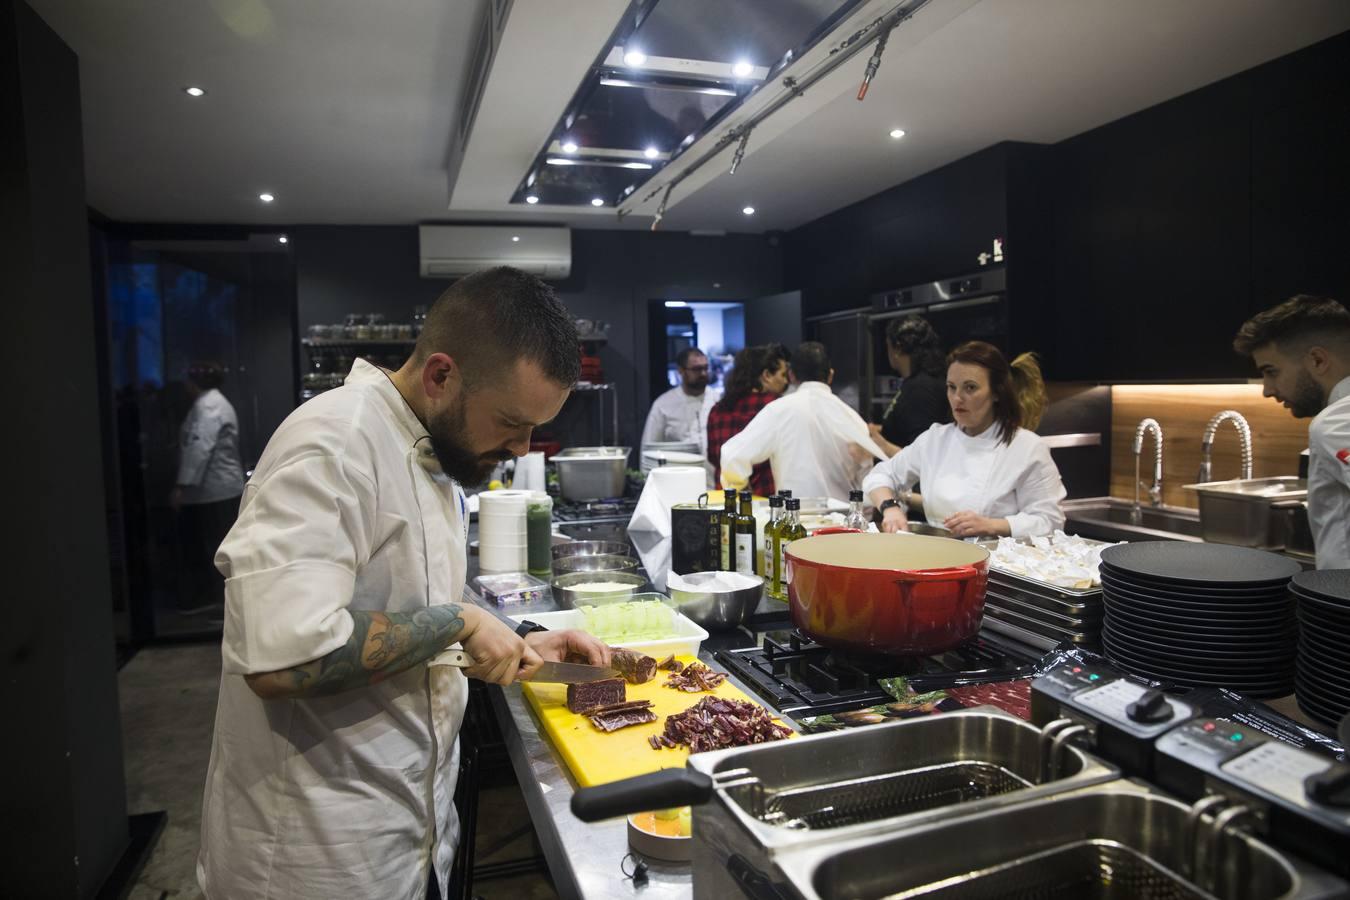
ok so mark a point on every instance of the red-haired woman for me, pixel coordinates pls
(985, 473)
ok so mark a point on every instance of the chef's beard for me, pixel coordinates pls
(448, 431)
(1308, 399)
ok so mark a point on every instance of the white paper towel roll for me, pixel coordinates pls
(501, 531)
(529, 473)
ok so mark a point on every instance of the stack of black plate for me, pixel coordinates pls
(1323, 682)
(1201, 614)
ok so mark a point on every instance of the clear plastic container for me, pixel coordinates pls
(511, 587)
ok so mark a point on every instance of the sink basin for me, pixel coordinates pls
(1242, 511)
(1118, 840)
(1112, 519)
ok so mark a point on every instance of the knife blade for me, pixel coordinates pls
(549, 672)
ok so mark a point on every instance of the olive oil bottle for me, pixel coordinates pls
(745, 535)
(769, 556)
(791, 530)
(726, 531)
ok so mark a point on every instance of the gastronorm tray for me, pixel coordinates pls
(1092, 620)
(1037, 627)
(1026, 582)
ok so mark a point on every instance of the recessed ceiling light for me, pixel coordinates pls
(532, 199)
(676, 304)
(749, 210)
(559, 161)
(266, 198)
(596, 201)
(569, 147)
(515, 238)
(897, 133)
(742, 69)
(637, 165)
(194, 91)
(634, 58)
(651, 153)
(717, 284)
(283, 240)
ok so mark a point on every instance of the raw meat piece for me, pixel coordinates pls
(636, 668)
(583, 698)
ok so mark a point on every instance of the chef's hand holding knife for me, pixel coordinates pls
(501, 656)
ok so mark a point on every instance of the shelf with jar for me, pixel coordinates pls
(330, 350)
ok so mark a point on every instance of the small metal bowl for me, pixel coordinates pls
(717, 610)
(570, 599)
(601, 562)
(590, 548)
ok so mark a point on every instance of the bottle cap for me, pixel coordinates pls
(854, 496)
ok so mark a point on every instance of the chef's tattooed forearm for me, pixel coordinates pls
(381, 645)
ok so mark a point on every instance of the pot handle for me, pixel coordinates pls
(656, 790)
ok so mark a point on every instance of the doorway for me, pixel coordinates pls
(715, 327)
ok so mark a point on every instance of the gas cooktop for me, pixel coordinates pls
(801, 677)
(615, 509)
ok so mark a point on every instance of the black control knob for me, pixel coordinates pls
(1332, 787)
(1150, 709)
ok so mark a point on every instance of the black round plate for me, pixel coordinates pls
(1336, 653)
(1334, 707)
(1194, 613)
(1196, 599)
(1317, 674)
(1329, 662)
(1209, 644)
(1321, 716)
(1318, 691)
(1322, 607)
(1200, 564)
(1322, 631)
(1207, 626)
(1331, 584)
(1210, 591)
(1262, 672)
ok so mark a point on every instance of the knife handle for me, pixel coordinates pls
(459, 659)
(657, 790)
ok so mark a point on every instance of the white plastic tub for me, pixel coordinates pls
(688, 636)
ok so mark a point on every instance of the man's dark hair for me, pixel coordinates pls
(682, 358)
(490, 320)
(811, 362)
(773, 353)
(916, 338)
(206, 375)
(1297, 323)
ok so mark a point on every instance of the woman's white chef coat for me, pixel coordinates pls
(1016, 481)
(348, 795)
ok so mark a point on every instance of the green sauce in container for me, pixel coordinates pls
(539, 533)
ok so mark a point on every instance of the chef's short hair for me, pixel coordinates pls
(1296, 324)
(811, 362)
(490, 320)
(682, 358)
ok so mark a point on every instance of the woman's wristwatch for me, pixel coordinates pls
(890, 504)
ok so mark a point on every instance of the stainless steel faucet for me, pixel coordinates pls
(1207, 444)
(1155, 492)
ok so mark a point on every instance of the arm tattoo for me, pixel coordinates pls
(381, 645)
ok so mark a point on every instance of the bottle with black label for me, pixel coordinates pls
(791, 530)
(745, 535)
(726, 532)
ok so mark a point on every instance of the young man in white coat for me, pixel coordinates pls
(1302, 350)
(335, 754)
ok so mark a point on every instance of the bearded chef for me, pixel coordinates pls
(1302, 350)
(335, 753)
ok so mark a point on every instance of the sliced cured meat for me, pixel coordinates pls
(715, 723)
(636, 668)
(583, 698)
(613, 721)
(695, 677)
(670, 664)
(627, 706)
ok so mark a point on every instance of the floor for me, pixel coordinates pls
(168, 701)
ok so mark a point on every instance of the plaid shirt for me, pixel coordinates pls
(723, 426)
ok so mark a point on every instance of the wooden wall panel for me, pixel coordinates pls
(1182, 410)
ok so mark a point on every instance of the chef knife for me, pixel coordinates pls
(552, 672)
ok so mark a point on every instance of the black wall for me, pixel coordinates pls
(64, 792)
(342, 269)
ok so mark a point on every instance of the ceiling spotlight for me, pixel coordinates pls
(749, 210)
(515, 238)
(634, 58)
(651, 153)
(266, 198)
(194, 91)
(742, 69)
(283, 240)
(569, 147)
(596, 201)
(897, 133)
(532, 199)
(637, 165)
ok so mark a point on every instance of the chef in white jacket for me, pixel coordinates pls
(335, 753)
(983, 474)
(816, 444)
(1302, 350)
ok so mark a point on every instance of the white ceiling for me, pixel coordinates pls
(344, 109)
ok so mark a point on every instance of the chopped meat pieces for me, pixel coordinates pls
(670, 664)
(636, 668)
(695, 677)
(715, 723)
(582, 698)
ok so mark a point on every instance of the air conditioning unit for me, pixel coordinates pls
(452, 251)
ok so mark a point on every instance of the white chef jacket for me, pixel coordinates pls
(1329, 480)
(348, 795)
(676, 416)
(208, 451)
(805, 436)
(1017, 481)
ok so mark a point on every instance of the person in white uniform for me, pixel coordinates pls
(1302, 350)
(681, 413)
(208, 486)
(335, 753)
(816, 444)
(985, 473)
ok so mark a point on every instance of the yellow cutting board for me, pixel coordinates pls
(595, 756)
